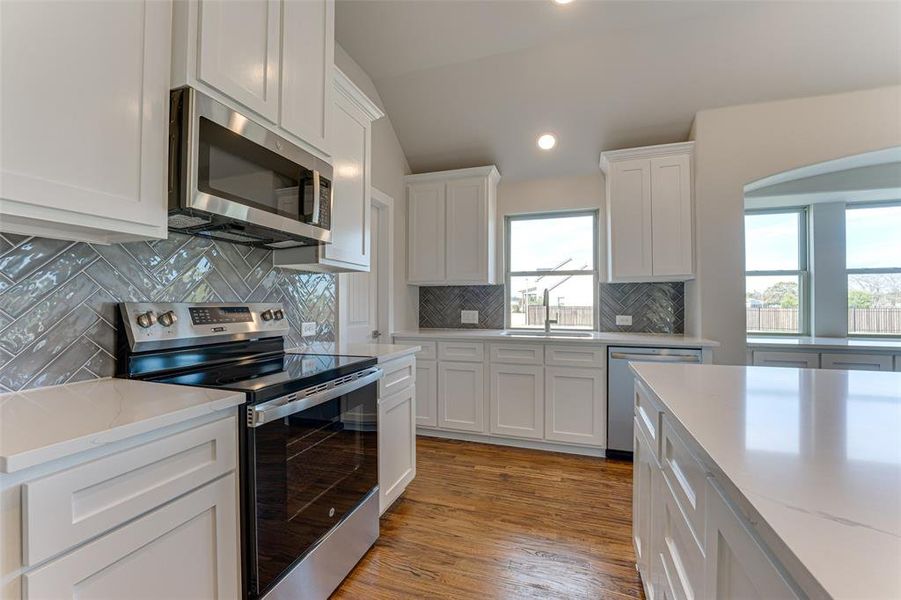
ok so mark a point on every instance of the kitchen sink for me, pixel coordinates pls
(553, 334)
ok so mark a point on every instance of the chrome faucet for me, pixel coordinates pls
(547, 311)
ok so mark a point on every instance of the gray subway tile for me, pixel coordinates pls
(29, 255)
(24, 295)
(65, 364)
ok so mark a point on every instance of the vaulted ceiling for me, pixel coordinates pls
(469, 83)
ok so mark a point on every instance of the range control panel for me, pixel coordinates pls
(152, 326)
(214, 315)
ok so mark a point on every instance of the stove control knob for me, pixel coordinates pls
(278, 314)
(266, 315)
(146, 319)
(167, 319)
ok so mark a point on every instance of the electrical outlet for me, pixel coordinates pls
(308, 329)
(470, 317)
(623, 319)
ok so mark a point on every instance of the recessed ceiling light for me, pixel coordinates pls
(562, 1)
(547, 141)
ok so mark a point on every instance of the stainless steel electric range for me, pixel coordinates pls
(309, 439)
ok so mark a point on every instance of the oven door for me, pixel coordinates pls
(226, 165)
(310, 462)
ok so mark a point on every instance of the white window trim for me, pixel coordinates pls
(594, 273)
(802, 273)
(867, 271)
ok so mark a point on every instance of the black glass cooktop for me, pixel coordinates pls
(264, 379)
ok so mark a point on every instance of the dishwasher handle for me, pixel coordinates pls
(656, 358)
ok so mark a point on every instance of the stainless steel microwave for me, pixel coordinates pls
(232, 179)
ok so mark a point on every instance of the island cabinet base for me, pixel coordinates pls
(690, 539)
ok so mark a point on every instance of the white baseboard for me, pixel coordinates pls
(515, 443)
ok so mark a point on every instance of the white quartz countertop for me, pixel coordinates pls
(381, 352)
(824, 343)
(815, 453)
(594, 337)
(45, 424)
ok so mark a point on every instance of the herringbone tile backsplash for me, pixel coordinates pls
(58, 299)
(440, 306)
(655, 307)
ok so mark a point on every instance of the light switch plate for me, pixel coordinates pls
(308, 328)
(623, 319)
(469, 317)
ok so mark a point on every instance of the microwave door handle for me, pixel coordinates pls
(316, 192)
(261, 414)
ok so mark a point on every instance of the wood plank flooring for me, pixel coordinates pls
(482, 521)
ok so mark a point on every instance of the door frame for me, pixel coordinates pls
(385, 269)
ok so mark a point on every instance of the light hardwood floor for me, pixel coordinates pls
(483, 521)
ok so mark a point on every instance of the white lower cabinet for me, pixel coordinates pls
(737, 565)
(426, 393)
(461, 396)
(644, 471)
(856, 362)
(186, 549)
(575, 405)
(801, 360)
(516, 400)
(397, 445)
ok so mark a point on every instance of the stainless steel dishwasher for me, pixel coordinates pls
(621, 387)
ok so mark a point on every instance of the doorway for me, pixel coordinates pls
(365, 299)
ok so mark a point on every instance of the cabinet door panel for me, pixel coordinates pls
(799, 360)
(308, 51)
(186, 549)
(629, 220)
(737, 565)
(642, 502)
(426, 393)
(671, 218)
(856, 362)
(517, 400)
(397, 445)
(575, 408)
(84, 112)
(467, 235)
(351, 208)
(426, 249)
(239, 51)
(461, 396)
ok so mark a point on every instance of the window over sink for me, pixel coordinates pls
(873, 260)
(554, 253)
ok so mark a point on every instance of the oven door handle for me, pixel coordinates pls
(266, 412)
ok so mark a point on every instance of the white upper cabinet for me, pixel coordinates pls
(649, 213)
(351, 140)
(84, 91)
(272, 58)
(239, 51)
(306, 99)
(426, 245)
(451, 227)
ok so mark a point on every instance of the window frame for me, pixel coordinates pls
(802, 273)
(595, 273)
(865, 271)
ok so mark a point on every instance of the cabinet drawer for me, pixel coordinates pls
(856, 362)
(648, 415)
(461, 351)
(516, 354)
(427, 349)
(800, 360)
(67, 508)
(683, 558)
(573, 355)
(397, 375)
(686, 479)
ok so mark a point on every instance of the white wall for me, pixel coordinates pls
(389, 165)
(546, 195)
(740, 144)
